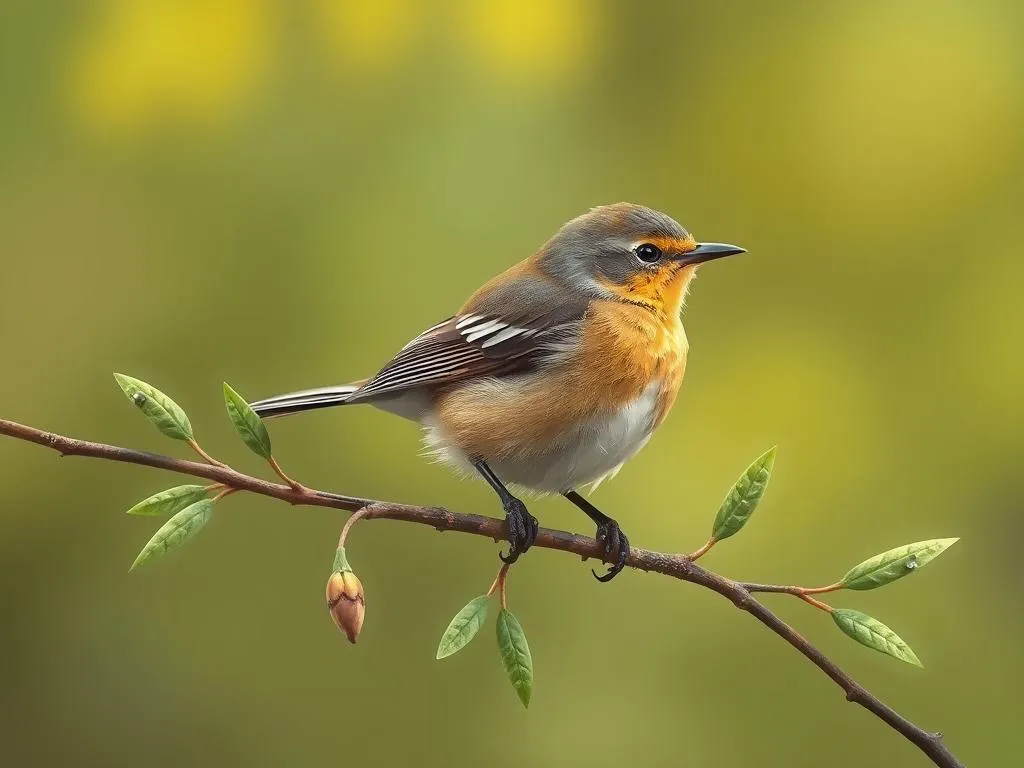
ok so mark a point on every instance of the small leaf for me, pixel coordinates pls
(874, 634)
(895, 564)
(463, 627)
(165, 414)
(515, 655)
(176, 531)
(249, 426)
(744, 497)
(171, 501)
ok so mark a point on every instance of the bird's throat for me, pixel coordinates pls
(663, 292)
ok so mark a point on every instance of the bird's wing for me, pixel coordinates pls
(508, 330)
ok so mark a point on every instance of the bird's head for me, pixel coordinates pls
(629, 252)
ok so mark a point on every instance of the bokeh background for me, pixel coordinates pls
(280, 194)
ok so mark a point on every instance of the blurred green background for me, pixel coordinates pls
(280, 194)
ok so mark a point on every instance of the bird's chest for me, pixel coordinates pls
(584, 449)
(578, 420)
(635, 360)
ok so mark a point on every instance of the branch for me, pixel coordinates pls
(676, 566)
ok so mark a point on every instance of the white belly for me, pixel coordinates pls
(590, 453)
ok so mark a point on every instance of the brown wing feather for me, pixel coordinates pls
(507, 330)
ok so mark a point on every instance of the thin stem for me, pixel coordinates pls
(295, 484)
(803, 593)
(354, 518)
(790, 589)
(696, 555)
(499, 583)
(225, 492)
(816, 603)
(821, 590)
(675, 566)
(206, 457)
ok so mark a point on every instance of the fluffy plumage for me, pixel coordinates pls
(555, 372)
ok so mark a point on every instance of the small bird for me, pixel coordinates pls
(554, 373)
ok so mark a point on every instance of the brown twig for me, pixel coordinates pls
(790, 589)
(676, 566)
(804, 593)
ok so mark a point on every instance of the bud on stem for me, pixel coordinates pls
(345, 599)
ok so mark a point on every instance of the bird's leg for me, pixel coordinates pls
(522, 526)
(608, 533)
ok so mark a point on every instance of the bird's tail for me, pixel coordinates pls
(306, 400)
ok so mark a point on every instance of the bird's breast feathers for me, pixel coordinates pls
(578, 416)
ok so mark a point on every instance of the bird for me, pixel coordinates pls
(554, 373)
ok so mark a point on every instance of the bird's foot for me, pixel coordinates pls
(522, 529)
(614, 540)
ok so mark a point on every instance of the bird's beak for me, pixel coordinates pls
(708, 251)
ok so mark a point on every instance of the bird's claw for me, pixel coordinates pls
(614, 540)
(522, 529)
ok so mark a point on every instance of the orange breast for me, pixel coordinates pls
(623, 348)
(626, 347)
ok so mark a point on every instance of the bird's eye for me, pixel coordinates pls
(648, 253)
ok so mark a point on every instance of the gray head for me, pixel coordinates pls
(624, 247)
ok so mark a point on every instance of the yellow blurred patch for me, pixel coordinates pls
(152, 62)
(530, 40)
(925, 120)
(370, 35)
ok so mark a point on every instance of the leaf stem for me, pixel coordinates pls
(295, 484)
(225, 492)
(205, 456)
(697, 554)
(804, 593)
(499, 584)
(816, 603)
(821, 590)
(791, 589)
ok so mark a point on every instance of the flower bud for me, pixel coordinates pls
(346, 603)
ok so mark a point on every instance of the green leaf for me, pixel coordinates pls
(895, 564)
(463, 627)
(165, 414)
(170, 501)
(515, 655)
(744, 497)
(176, 531)
(874, 634)
(249, 426)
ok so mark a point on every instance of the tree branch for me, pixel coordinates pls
(676, 566)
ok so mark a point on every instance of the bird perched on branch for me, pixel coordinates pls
(555, 372)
